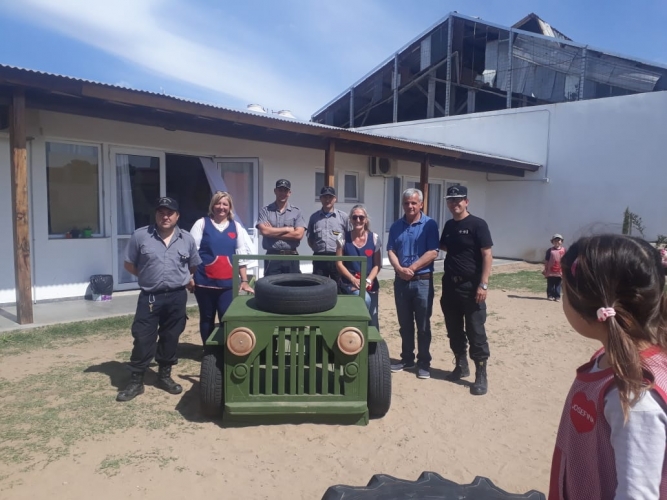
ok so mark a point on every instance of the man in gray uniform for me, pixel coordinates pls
(282, 227)
(163, 257)
(324, 228)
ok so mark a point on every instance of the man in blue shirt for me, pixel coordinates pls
(412, 247)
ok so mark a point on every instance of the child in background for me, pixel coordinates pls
(552, 270)
(613, 429)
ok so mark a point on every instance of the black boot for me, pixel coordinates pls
(164, 381)
(461, 369)
(481, 384)
(133, 388)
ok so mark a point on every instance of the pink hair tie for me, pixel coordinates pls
(605, 312)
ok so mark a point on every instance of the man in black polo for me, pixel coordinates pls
(282, 227)
(324, 228)
(467, 241)
(163, 257)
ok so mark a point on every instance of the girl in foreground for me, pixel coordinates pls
(613, 430)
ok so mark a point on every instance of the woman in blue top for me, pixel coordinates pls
(358, 242)
(218, 237)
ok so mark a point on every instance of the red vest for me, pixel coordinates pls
(583, 466)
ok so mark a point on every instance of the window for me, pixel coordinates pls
(319, 184)
(351, 186)
(73, 189)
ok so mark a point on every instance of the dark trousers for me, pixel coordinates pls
(280, 266)
(464, 318)
(327, 269)
(414, 306)
(553, 286)
(156, 329)
(211, 301)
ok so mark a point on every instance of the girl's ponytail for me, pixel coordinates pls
(625, 359)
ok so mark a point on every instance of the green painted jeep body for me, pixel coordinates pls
(295, 372)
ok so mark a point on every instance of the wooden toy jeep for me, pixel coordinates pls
(294, 352)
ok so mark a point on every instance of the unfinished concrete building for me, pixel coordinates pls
(465, 65)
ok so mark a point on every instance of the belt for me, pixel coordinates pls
(282, 252)
(423, 276)
(160, 292)
(324, 253)
(460, 279)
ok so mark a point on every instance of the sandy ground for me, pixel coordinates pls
(433, 425)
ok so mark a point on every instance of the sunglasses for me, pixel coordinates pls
(360, 218)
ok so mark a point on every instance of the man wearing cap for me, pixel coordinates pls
(467, 241)
(324, 228)
(412, 247)
(163, 257)
(282, 227)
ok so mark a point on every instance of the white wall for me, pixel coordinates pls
(7, 284)
(600, 156)
(62, 267)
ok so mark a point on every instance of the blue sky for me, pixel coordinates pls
(282, 54)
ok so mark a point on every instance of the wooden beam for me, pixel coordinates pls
(423, 181)
(19, 180)
(329, 163)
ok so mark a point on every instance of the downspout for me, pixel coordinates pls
(545, 179)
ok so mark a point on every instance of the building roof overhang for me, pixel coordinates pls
(82, 97)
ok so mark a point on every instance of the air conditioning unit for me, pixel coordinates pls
(381, 167)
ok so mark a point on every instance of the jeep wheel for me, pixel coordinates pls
(379, 379)
(295, 293)
(429, 485)
(211, 388)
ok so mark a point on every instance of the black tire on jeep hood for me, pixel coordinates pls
(295, 293)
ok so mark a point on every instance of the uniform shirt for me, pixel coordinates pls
(290, 217)
(410, 241)
(324, 229)
(464, 240)
(162, 267)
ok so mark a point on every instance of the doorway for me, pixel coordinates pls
(138, 182)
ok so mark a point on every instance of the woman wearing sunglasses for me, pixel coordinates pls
(361, 242)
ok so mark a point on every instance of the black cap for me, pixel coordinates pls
(457, 192)
(283, 183)
(327, 190)
(166, 202)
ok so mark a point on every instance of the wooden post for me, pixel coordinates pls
(423, 181)
(329, 162)
(19, 179)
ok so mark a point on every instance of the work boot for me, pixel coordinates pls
(164, 381)
(133, 388)
(481, 384)
(461, 369)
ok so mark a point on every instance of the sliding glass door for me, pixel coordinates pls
(138, 183)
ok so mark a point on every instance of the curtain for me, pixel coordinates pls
(124, 195)
(215, 181)
(125, 208)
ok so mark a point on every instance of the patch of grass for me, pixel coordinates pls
(111, 465)
(532, 281)
(43, 415)
(69, 333)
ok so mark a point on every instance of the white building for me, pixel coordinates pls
(98, 156)
(95, 158)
